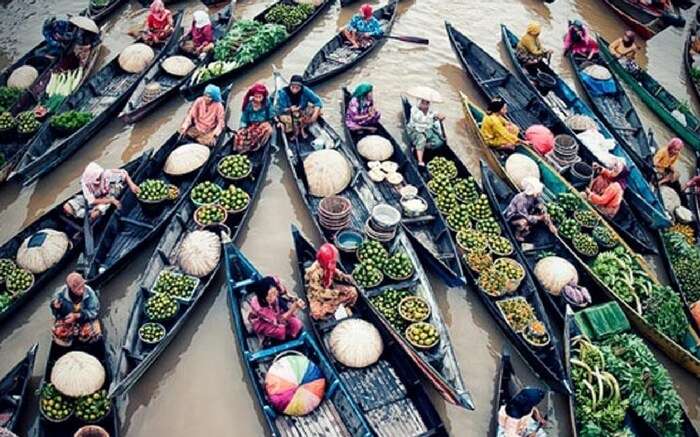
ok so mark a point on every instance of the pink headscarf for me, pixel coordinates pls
(675, 144)
(92, 180)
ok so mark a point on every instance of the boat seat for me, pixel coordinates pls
(136, 223)
(496, 81)
(70, 223)
(420, 219)
(446, 255)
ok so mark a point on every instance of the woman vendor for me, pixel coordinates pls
(530, 51)
(298, 106)
(519, 417)
(363, 28)
(497, 131)
(579, 41)
(665, 161)
(75, 309)
(200, 40)
(361, 115)
(328, 288)
(159, 24)
(424, 129)
(205, 119)
(257, 120)
(100, 189)
(526, 209)
(608, 188)
(625, 50)
(58, 35)
(270, 316)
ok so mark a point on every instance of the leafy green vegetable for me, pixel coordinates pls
(70, 121)
(289, 15)
(685, 259)
(8, 97)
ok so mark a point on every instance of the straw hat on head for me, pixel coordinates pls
(136, 58)
(598, 72)
(423, 92)
(84, 23)
(78, 374)
(532, 186)
(178, 65)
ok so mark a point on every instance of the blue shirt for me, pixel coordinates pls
(307, 97)
(89, 307)
(251, 116)
(370, 27)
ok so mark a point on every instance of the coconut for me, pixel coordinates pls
(178, 65)
(186, 159)
(327, 172)
(22, 77)
(136, 58)
(375, 148)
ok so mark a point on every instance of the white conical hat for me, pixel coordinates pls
(42, 250)
(425, 93)
(178, 65)
(136, 57)
(186, 158)
(78, 374)
(356, 343)
(84, 23)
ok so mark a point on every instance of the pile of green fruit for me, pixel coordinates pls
(290, 16)
(604, 236)
(160, 307)
(440, 185)
(585, 245)
(174, 284)
(70, 121)
(510, 268)
(7, 266)
(5, 302)
(480, 209)
(500, 245)
(472, 240)
(53, 405)
(446, 202)
(442, 167)
(210, 215)
(27, 123)
(489, 226)
(367, 275)
(372, 252)
(387, 304)
(235, 166)
(151, 333)
(569, 202)
(493, 282)
(459, 219)
(414, 309)
(478, 261)
(569, 228)
(9, 95)
(206, 193)
(586, 218)
(422, 335)
(7, 122)
(234, 199)
(556, 212)
(517, 311)
(92, 408)
(153, 190)
(466, 189)
(398, 266)
(19, 280)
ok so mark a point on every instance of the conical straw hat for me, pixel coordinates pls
(186, 158)
(78, 374)
(178, 65)
(85, 23)
(425, 93)
(136, 57)
(43, 250)
(327, 172)
(22, 77)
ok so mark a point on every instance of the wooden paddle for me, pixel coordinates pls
(411, 39)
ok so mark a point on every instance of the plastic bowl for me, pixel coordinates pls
(386, 216)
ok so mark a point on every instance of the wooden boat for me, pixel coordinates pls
(140, 105)
(564, 103)
(103, 95)
(428, 232)
(441, 366)
(57, 220)
(645, 21)
(657, 98)
(346, 2)
(100, 14)
(526, 109)
(14, 389)
(336, 56)
(45, 428)
(388, 392)
(136, 357)
(338, 413)
(192, 90)
(688, 60)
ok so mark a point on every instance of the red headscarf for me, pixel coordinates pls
(257, 88)
(366, 11)
(327, 258)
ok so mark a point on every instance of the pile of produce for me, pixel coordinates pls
(510, 268)
(440, 185)
(234, 199)
(27, 123)
(414, 309)
(5, 302)
(235, 166)
(398, 266)
(53, 405)
(569, 228)
(92, 408)
(480, 209)
(472, 240)
(367, 275)
(489, 226)
(585, 245)
(206, 193)
(387, 304)
(211, 70)
(459, 219)
(160, 307)
(423, 335)
(70, 121)
(499, 245)
(7, 122)
(151, 332)
(440, 166)
(175, 284)
(242, 30)
(289, 15)
(493, 282)
(604, 236)
(18, 281)
(685, 259)
(465, 189)
(153, 190)
(9, 95)
(687, 231)
(478, 261)
(586, 218)
(446, 202)
(536, 334)
(7, 266)
(517, 311)
(373, 253)
(60, 86)
(210, 215)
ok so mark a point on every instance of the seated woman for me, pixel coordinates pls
(608, 188)
(85, 43)
(519, 417)
(58, 35)
(527, 208)
(579, 41)
(363, 28)
(327, 287)
(424, 129)
(665, 161)
(497, 131)
(257, 119)
(75, 309)
(269, 315)
(100, 190)
(625, 50)
(297, 107)
(159, 24)
(205, 119)
(200, 39)
(361, 114)
(530, 51)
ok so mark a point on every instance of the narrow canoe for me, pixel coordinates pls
(428, 232)
(564, 103)
(645, 21)
(338, 414)
(336, 56)
(191, 90)
(14, 387)
(388, 392)
(688, 59)
(439, 367)
(658, 99)
(103, 95)
(140, 105)
(136, 357)
(98, 15)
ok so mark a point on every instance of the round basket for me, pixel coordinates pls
(395, 279)
(49, 419)
(150, 341)
(161, 321)
(528, 340)
(19, 292)
(348, 240)
(241, 209)
(173, 192)
(232, 178)
(416, 345)
(202, 225)
(196, 203)
(376, 283)
(512, 284)
(496, 252)
(334, 207)
(408, 299)
(96, 421)
(417, 212)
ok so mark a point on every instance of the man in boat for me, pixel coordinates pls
(100, 189)
(579, 41)
(298, 106)
(158, 26)
(625, 50)
(205, 119)
(58, 34)
(328, 288)
(665, 161)
(273, 311)
(526, 209)
(200, 40)
(608, 187)
(257, 119)
(519, 417)
(425, 129)
(75, 309)
(530, 51)
(363, 28)
(497, 131)
(361, 114)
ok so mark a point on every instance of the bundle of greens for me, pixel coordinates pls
(241, 31)
(8, 97)
(685, 259)
(269, 36)
(289, 15)
(70, 121)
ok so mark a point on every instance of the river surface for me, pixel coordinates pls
(198, 386)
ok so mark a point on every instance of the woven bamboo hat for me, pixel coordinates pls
(42, 250)
(22, 77)
(186, 158)
(84, 23)
(78, 374)
(136, 57)
(178, 65)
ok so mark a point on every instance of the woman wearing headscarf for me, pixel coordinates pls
(665, 161)
(200, 39)
(424, 129)
(297, 106)
(257, 118)
(58, 35)
(529, 50)
(579, 41)
(361, 113)
(272, 316)
(100, 189)
(497, 131)
(159, 24)
(363, 28)
(608, 187)
(205, 119)
(519, 417)
(625, 50)
(75, 309)
(526, 209)
(327, 287)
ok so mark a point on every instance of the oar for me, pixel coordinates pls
(412, 39)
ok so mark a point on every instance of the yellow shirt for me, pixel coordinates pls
(495, 131)
(663, 160)
(530, 44)
(618, 49)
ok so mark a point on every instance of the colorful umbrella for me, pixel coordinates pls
(294, 385)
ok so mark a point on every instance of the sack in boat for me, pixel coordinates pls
(178, 65)
(375, 148)
(294, 385)
(598, 72)
(136, 58)
(23, 77)
(580, 123)
(199, 253)
(78, 374)
(554, 273)
(356, 343)
(519, 167)
(541, 139)
(327, 172)
(670, 198)
(43, 250)
(186, 158)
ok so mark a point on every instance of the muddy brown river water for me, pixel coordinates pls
(198, 387)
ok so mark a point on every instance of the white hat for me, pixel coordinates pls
(532, 186)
